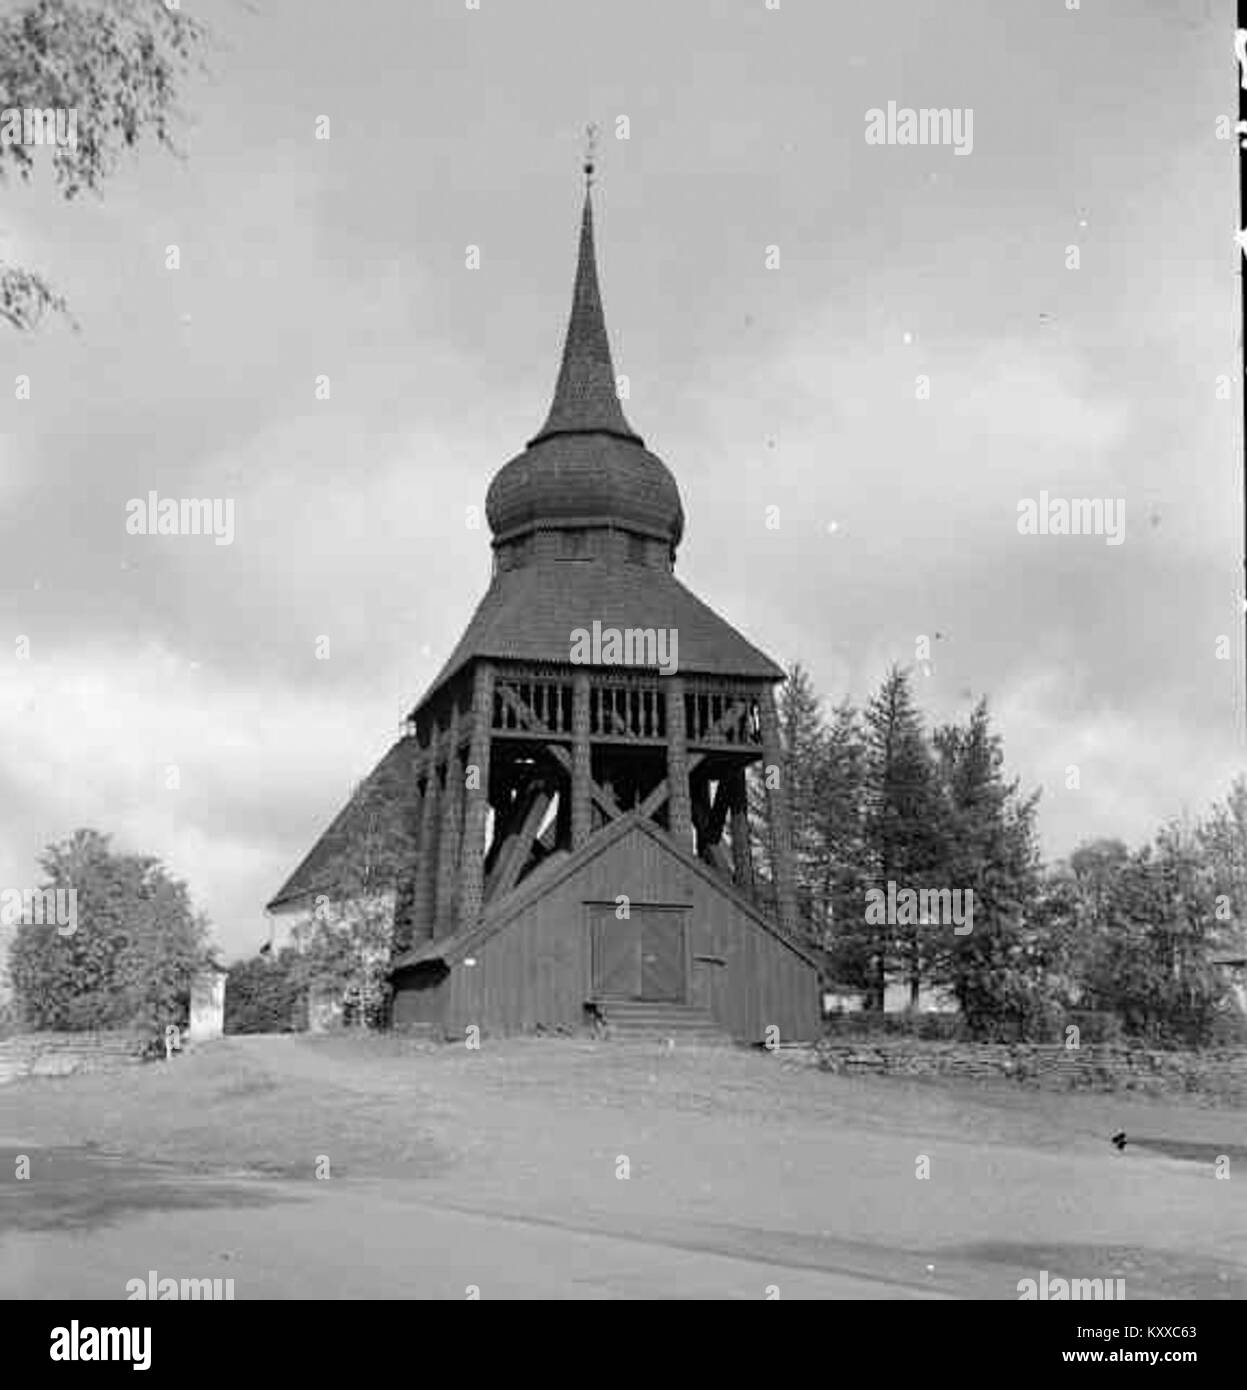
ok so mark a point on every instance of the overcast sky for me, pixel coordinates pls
(792, 388)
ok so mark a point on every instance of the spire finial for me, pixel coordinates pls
(585, 397)
(591, 150)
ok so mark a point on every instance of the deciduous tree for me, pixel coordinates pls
(136, 944)
(117, 65)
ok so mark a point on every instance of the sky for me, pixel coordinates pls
(777, 290)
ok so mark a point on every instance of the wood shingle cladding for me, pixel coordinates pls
(529, 614)
(585, 480)
(584, 396)
(586, 467)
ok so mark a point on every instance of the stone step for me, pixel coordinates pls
(675, 1025)
(639, 1018)
(643, 1009)
(653, 1013)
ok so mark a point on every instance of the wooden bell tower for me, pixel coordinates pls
(522, 754)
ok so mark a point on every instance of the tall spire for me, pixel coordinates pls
(584, 398)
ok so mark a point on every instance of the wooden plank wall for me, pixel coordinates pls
(536, 970)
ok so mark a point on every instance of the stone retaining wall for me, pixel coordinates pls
(1218, 1077)
(65, 1054)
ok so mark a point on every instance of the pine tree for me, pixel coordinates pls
(990, 849)
(803, 735)
(903, 828)
(842, 834)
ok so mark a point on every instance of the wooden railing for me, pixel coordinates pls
(628, 706)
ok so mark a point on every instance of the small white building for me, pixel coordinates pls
(207, 1018)
(932, 999)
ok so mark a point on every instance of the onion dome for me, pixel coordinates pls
(587, 467)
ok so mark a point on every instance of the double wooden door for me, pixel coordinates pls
(639, 957)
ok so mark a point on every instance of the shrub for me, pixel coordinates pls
(261, 996)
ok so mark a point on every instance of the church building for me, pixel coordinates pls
(574, 779)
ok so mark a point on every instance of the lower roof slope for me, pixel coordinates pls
(529, 614)
(374, 820)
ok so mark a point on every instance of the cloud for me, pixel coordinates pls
(93, 737)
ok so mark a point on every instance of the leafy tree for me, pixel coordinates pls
(117, 64)
(1223, 840)
(1153, 961)
(1058, 939)
(136, 945)
(1147, 930)
(1097, 867)
(360, 923)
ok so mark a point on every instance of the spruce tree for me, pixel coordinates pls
(903, 827)
(989, 849)
(803, 735)
(842, 833)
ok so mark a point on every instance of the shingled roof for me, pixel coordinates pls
(587, 467)
(375, 817)
(586, 470)
(529, 614)
(585, 398)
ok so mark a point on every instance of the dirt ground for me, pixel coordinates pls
(566, 1169)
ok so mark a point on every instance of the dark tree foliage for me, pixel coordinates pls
(1111, 943)
(1153, 932)
(990, 849)
(130, 959)
(803, 745)
(904, 829)
(262, 994)
(842, 836)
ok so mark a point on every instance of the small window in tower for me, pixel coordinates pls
(636, 550)
(573, 546)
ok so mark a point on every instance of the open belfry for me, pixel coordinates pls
(581, 831)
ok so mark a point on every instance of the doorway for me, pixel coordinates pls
(640, 957)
